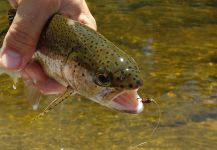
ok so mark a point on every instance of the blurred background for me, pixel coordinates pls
(174, 43)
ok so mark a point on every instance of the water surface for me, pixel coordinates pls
(174, 43)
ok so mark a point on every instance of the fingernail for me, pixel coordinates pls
(11, 59)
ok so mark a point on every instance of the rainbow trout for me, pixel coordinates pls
(88, 64)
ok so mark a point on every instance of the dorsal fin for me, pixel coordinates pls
(11, 15)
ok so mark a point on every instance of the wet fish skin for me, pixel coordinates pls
(87, 48)
(79, 57)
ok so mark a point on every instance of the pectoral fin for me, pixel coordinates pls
(33, 94)
(55, 102)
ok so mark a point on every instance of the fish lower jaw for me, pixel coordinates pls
(127, 101)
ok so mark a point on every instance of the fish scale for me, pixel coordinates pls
(85, 61)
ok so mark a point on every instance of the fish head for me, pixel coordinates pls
(105, 74)
(113, 83)
(119, 83)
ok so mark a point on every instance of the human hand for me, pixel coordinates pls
(21, 39)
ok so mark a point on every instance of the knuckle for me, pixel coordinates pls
(20, 38)
(50, 5)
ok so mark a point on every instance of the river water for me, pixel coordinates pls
(175, 45)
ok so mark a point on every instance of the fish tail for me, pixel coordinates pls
(2, 34)
(4, 31)
(11, 15)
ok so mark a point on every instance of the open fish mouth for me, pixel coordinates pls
(127, 101)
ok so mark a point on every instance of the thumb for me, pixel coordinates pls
(22, 37)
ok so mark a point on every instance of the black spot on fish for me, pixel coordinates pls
(130, 85)
(139, 82)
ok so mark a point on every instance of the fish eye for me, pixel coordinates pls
(103, 79)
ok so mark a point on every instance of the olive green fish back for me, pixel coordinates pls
(68, 38)
(102, 51)
(102, 56)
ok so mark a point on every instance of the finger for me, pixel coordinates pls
(86, 17)
(33, 73)
(21, 39)
(88, 20)
(78, 10)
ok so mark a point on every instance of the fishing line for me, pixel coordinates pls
(148, 100)
(128, 133)
(60, 126)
